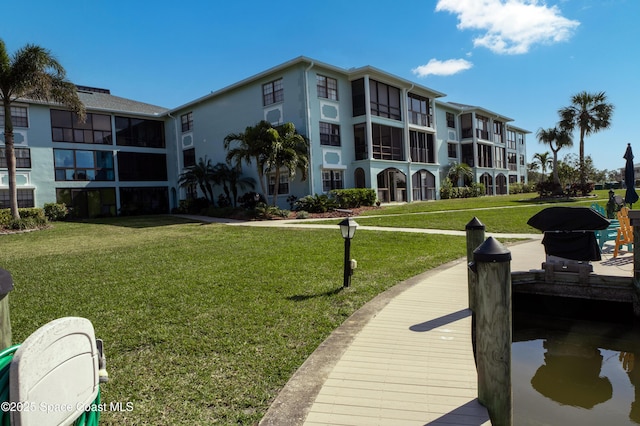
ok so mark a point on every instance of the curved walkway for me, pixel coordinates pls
(405, 358)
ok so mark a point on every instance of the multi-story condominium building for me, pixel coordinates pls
(366, 129)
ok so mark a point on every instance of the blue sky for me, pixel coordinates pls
(520, 58)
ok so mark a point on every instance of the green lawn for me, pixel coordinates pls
(203, 323)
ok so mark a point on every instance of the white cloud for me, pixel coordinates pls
(510, 26)
(436, 67)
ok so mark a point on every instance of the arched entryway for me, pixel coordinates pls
(392, 185)
(501, 184)
(423, 184)
(359, 178)
(487, 180)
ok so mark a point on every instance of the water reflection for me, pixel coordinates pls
(573, 372)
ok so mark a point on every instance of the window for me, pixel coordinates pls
(327, 87)
(142, 166)
(139, 132)
(452, 150)
(329, 134)
(385, 100)
(331, 179)
(360, 142)
(482, 127)
(189, 157)
(387, 143)
(522, 160)
(147, 200)
(65, 127)
(421, 145)
(186, 120)
(484, 155)
(358, 97)
(451, 120)
(25, 199)
(272, 92)
(283, 186)
(466, 125)
(419, 110)
(71, 164)
(511, 139)
(98, 202)
(497, 131)
(23, 158)
(500, 157)
(512, 161)
(19, 117)
(467, 154)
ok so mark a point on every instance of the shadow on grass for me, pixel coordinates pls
(303, 297)
(139, 222)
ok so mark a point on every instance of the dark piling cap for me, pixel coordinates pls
(491, 251)
(6, 282)
(474, 224)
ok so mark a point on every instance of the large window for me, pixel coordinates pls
(329, 134)
(466, 125)
(360, 142)
(139, 132)
(419, 110)
(485, 159)
(147, 200)
(72, 164)
(421, 145)
(138, 166)
(385, 100)
(65, 127)
(186, 121)
(272, 92)
(511, 139)
(467, 154)
(97, 202)
(498, 130)
(283, 185)
(19, 117)
(327, 87)
(500, 158)
(387, 143)
(23, 158)
(482, 127)
(25, 199)
(512, 161)
(331, 179)
(358, 97)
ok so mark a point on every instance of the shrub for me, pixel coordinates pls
(354, 197)
(264, 211)
(302, 214)
(250, 200)
(30, 218)
(193, 206)
(55, 211)
(316, 203)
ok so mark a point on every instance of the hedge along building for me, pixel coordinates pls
(366, 128)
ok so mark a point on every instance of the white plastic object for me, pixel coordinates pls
(54, 374)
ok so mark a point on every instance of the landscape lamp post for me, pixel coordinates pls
(348, 228)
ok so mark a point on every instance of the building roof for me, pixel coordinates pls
(102, 100)
(310, 62)
(464, 107)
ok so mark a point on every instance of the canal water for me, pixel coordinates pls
(578, 368)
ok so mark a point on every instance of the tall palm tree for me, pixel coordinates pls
(254, 145)
(544, 161)
(31, 73)
(290, 153)
(589, 112)
(556, 139)
(201, 174)
(460, 171)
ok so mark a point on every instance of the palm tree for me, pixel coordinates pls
(290, 152)
(31, 73)
(254, 144)
(556, 139)
(544, 161)
(590, 113)
(201, 174)
(231, 179)
(460, 171)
